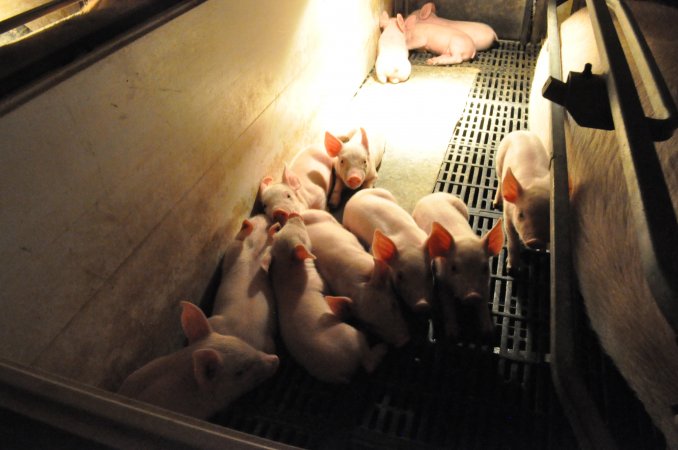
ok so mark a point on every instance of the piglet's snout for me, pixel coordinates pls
(280, 215)
(354, 181)
(472, 298)
(536, 244)
(271, 362)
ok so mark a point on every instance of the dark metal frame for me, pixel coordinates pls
(567, 378)
(654, 217)
(106, 418)
(32, 14)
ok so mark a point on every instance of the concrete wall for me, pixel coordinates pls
(120, 186)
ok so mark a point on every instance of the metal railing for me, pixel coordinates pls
(33, 14)
(653, 214)
(654, 217)
(567, 378)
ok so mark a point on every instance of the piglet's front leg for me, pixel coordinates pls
(335, 194)
(513, 240)
(444, 59)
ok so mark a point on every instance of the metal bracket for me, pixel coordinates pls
(584, 95)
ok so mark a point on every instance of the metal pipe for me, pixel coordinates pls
(654, 217)
(582, 413)
(666, 121)
(33, 14)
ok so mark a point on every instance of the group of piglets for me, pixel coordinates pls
(454, 41)
(295, 269)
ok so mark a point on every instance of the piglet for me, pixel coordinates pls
(393, 64)
(375, 217)
(204, 377)
(453, 45)
(483, 35)
(463, 273)
(355, 160)
(322, 343)
(244, 304)
(359, 281)
(305, 184)
(522, 166)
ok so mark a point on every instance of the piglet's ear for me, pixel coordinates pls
(245, 230)
(510, 187)
(363, 140)
(301, 252)
(400, 22)
(266, 258)
(493, 241)
(340, 306)
(273, 229)
(427, 10)
(383, 19)
(265, 183)
(194, 323)
(206, 365)
(290, 178)
(380, 273)
(439, 242)
(332, 144)
(383, 248)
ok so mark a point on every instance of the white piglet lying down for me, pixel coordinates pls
(464, 272)
(323, 344)
(204, 377)
(452, 45)
(522, 166)
(482, 35)
(393, 64)
(360, 282)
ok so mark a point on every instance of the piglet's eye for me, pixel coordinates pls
(289, 196)
(521, 216)
(341, 161)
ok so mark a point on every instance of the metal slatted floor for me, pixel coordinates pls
(462, 396)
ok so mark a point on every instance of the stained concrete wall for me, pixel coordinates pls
(120, 186)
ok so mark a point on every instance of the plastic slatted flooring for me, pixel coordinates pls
(442, 396)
